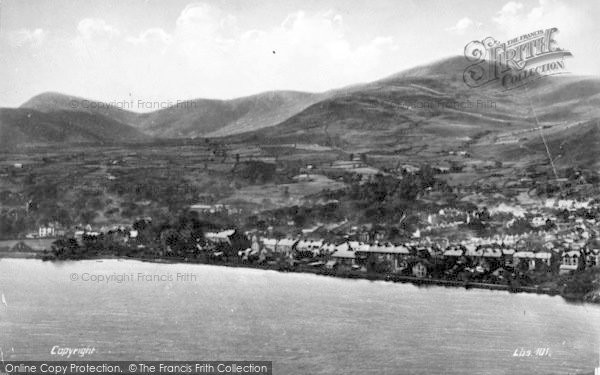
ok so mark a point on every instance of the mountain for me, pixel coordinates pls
(426, 110)
(52, 101)
(21, 127)
(203, 117)
(199, 117)
(420, 111)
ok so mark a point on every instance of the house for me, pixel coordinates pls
(308, 247)
(343, 164)
(407, 168)
(492, 252)
(48, 231)
(538, 221)
(592, 258)
(364, 237)
(570, 261)
(453, 252)
(534, 258)
(525, 256)
(473, 251)
(378, 253)
(327, 249)
(441, 169)
(269, 244)
(344, 255)
(420, 269)
(219, 237)
(509, 254)
(202, 208)
(285, 245)
(255, 244)
(214, 208)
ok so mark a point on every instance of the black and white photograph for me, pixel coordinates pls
(300, 187)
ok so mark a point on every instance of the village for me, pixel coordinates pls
(561, 244)
(461, 220)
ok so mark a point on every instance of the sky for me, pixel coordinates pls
(150, 50)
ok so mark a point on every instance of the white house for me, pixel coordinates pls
(269, 244)
(570, 261)
(48, 231)
(219, 237)
(285, 245)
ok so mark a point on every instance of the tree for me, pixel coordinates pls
(64, 247)
(88, 216)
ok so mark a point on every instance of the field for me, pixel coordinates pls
(113, 184)
(108, 185)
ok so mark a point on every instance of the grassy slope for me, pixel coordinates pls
(417, 108)
(20, 127)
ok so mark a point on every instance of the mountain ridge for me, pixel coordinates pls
(417, 106)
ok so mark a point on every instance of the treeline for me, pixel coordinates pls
(179, 236)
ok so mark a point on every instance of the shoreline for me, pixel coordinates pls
(328, 273)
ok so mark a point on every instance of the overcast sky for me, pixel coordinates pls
(114, 50)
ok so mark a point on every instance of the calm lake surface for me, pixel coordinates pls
(305, 324)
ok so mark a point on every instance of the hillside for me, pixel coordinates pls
(223, 117)
(426, 110)
(430, 109)
(21, 127)
(193, 118)
(53, 101)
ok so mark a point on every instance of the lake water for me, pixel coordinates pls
(305, 324)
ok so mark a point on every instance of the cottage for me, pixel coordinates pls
(419, 269)
(570, 261)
